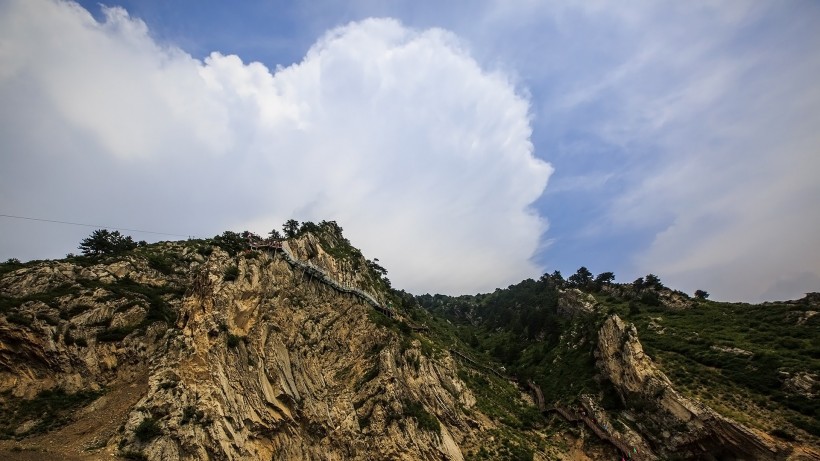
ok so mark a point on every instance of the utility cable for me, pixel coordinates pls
(91, 225)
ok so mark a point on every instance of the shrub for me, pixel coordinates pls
(147, 430)
(426, 421)
(113, 334)
(10, 265)
(231, 273)
(18, 318)
(783, 434)
(651, 298)
(51, 408)
(161, 263)
(231, 242)
(233, 340)
(133, 455)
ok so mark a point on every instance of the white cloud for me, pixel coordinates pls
(724, 133)
(702, 118)
(398, 134)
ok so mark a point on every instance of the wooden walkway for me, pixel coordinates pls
(316, 272)
(319, 274)
(573, 416)
(480, 366)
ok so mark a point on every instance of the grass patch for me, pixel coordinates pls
(231, 273)
(49, 410)
(161, 262)
(114, 334)
(426, 420)
(147, 429)
(234, 340)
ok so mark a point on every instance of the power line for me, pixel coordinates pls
(91, 225)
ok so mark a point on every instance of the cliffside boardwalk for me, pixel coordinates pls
(316, 272)
(321, 275)
(481, 366)
(572, 416)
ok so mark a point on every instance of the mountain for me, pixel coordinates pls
(299, 348)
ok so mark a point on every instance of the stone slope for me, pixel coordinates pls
(272, 365)
(672, 423)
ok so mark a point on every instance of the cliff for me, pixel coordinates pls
(234, 349)
(673, 424)
(188, 362)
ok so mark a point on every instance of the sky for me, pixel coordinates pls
(466, 145)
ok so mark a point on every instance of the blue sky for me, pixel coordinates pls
(499, 139)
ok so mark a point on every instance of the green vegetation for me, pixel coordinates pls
(233, 340)
(50, 297)
(521, 328)
(133, 455)
(158, 307)
(11, 264)
(104, 242)
(369, 376)
(147, 429)
(231, 242)
(426, 421)
(735, 357)
(717, 350)
(49, 410)
(114, 334)
(231, 273)
(161, 262)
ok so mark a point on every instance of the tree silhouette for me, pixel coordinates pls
(290, 228)
(103, 241)
(580, 278)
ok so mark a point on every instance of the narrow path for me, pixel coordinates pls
(573, 416)
(322, 276)
(319, 274)
(481, 366)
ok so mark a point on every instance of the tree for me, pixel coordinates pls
(375, 267)
(274, 235)
(332, 226)
(580, 278)
(701, 294)
(103, 242)
(231, 242)
(638, 284)
(555, 279)
(308, 226)
(653, 281)
(291, 227)
(604, 278)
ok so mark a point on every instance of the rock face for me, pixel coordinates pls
(673, 424)
(272, 365)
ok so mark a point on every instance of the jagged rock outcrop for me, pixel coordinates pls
(676, 425)
(308, 377)
(272, 365)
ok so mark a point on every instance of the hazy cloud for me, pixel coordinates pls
(398, 134)
(723, 139)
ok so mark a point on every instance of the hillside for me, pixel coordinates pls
(299, 348)
(637, 352)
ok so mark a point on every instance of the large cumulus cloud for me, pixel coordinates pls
(398, 134)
